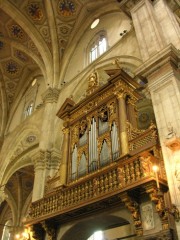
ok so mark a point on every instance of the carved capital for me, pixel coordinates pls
(38, 160)
(120, 93)
(65, 131)
(50, 95)
(46, 159)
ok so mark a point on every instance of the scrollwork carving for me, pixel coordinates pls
(103, 114)
(133, 207)
(158, 198)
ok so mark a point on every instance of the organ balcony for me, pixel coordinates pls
(106, 160)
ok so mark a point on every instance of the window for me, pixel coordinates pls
(96, 236)
(98, 46)
(28, 109)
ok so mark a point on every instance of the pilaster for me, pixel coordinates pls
(148, 30)
(163, 77)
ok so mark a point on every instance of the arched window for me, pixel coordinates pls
(28, 109)
(98, 46)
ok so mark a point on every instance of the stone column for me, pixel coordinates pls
(65, 155)
(40, 176)
(168, 22)
(121, 95)
(50, 98)
(46, 161)
(163, 77)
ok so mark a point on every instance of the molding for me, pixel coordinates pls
(168, 55)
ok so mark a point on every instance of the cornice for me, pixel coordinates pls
(168, 55)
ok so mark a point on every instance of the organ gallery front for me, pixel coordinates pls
(107, 162)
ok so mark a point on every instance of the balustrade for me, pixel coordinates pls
(108, 181)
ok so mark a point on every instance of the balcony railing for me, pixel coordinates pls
(109, 181)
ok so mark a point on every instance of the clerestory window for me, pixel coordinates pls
(97, 46)
(28, 109)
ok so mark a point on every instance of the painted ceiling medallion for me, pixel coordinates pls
(66, 8)
(16, 31)
(11, 67)
(34, 11)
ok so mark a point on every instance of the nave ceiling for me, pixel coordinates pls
(38, 38)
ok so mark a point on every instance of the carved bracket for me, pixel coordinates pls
(157, 198)
(133, 207)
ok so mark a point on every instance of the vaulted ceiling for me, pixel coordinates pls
(34, 36)
(37, 37)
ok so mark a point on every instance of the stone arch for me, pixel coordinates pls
(86, 227)
(18, 193)
(20, 150)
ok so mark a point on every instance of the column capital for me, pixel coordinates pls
(120, 94)
(46, 159)
(65, 130)
(50, 95)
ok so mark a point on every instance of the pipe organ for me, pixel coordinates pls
(98, 124)
(105, 159)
